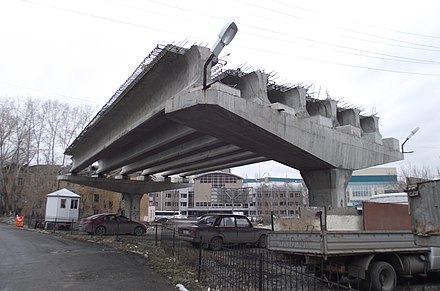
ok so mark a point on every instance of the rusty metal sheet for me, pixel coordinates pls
(386, 216)
(424, 202)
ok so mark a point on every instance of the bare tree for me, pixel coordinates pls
(7, 124)
(75, 120)
(34, 133)
(54, 113)
(409, 170)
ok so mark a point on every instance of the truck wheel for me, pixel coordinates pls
(382, 276)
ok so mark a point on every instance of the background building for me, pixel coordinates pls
(211, 192)
(281, 197)
(369, 182)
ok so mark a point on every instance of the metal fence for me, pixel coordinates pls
(249, 268)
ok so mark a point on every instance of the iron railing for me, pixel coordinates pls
(249, 268)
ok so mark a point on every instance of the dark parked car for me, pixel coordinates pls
(109, 223)
(215, 230)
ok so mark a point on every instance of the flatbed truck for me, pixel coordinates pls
(375, 257)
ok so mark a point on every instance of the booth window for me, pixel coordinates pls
(74, 204)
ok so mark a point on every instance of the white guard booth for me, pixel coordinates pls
(62, 208)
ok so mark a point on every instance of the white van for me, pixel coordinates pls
(398, 198)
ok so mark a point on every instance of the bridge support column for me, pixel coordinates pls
(327, 187)
(132, 205)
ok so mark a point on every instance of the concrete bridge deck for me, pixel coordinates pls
(162, 122)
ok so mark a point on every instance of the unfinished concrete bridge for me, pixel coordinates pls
(163, 122)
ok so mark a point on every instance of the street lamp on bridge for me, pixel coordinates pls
(225, 37)
(413, 132)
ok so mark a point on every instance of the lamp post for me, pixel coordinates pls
(413, 132)
(225, 36)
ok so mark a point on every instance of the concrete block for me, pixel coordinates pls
(370, 123)
(349, 117)
(282, 108)
(349, 129)
(375, 137)
(392, 143)
(327, 108)
(325, 121)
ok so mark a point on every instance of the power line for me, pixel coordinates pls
(100, 17)
(364, 24)
(397, 58)
(54, 93)
(348, 48)
(404, 59)
(347, 65)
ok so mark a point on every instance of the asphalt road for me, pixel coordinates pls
(30, 260)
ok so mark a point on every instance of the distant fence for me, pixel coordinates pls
(53, 225)
(249, 268)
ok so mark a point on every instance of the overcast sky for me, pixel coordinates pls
(381, 56)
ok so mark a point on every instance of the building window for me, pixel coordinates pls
(74, 204)
(96, 197)
(168, 195)
(110, 204)
(63, 203)
(218, 180)
(361, 190)
(183, 204)
(297, 195)
(184, 196)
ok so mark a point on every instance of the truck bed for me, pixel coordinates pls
(342, 243)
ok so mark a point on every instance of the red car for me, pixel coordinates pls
(109, 223)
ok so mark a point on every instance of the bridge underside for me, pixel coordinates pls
(161, 122)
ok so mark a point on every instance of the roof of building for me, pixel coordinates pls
(63, 193)
(217, 173)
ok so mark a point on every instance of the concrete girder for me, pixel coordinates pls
(140, 99)
(243, 162)
(252, 86)
(369, 124)
(321, 109)
(123, 185)
(166, 137)
(294, 98)
(183, 150)
(220, 156)
(349, 117)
